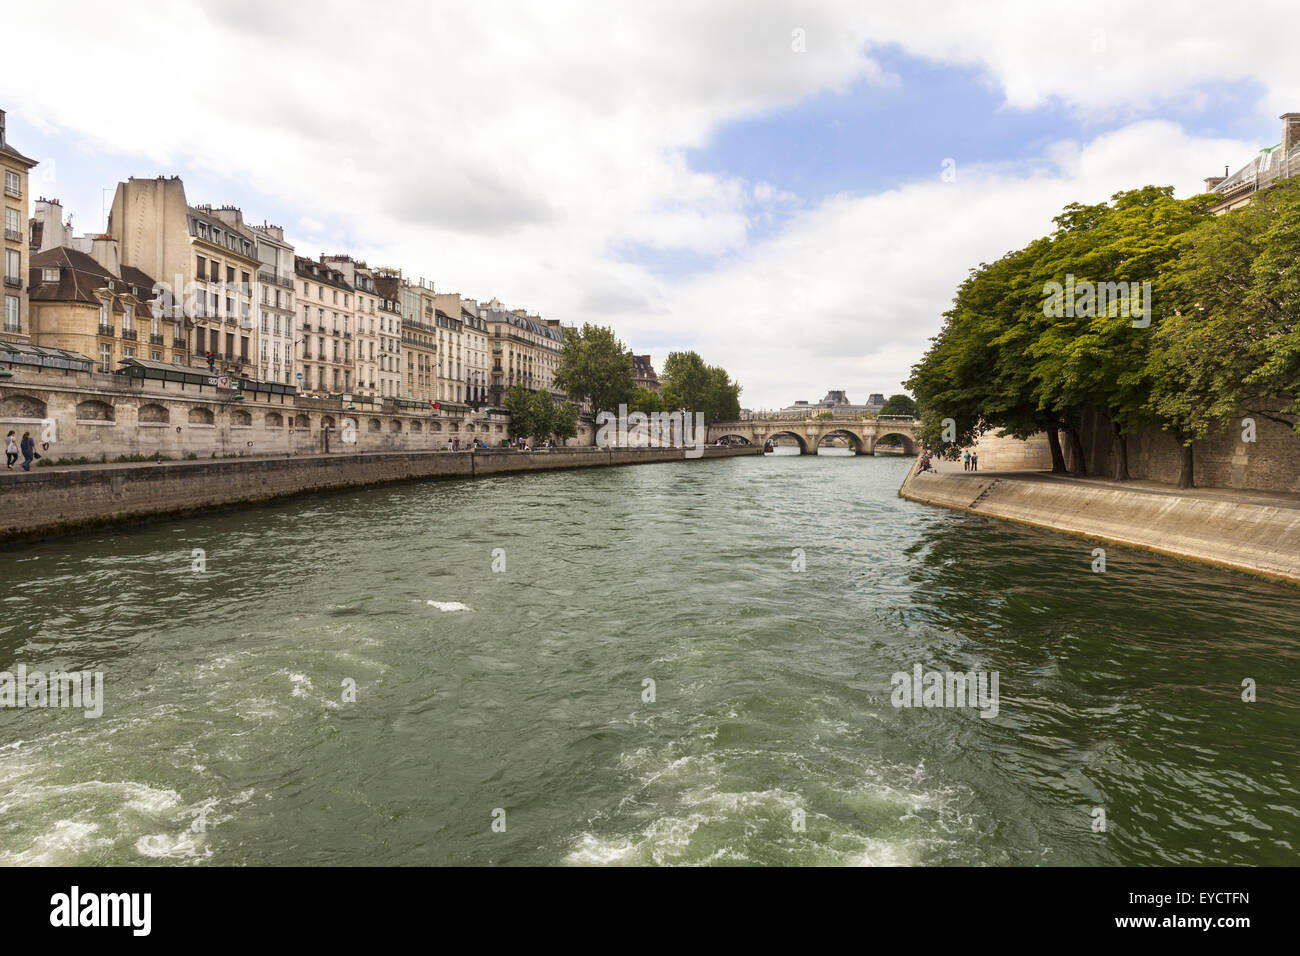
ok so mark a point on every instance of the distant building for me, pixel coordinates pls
(836, 402)
(1280, 161)
(643, 373)
(15, 167)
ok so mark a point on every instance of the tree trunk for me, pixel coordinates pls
(1186, 469)
(1121, 452)
(1054, 443)
(1080, 468)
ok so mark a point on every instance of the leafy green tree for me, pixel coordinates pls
(565, 422)
(899, 404)
(594, 368)
(519, 403)
(645, 400)
(692, 386)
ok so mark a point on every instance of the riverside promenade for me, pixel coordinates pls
(1253, 531)
(64, 499)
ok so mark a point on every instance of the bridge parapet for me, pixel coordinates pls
(863, 434)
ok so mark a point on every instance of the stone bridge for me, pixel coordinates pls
(862, 434)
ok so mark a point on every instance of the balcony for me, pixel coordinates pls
(13, 191)
(156, 340)
(13, 235)
(13, 282)
(128, 334)
(105, 329)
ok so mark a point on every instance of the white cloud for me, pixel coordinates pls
(512, 149)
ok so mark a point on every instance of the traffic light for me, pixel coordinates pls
(212, 364)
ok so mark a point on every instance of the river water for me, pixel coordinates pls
(771, 738)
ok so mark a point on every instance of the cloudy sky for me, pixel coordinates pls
(792, 189)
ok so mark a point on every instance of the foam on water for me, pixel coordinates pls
(449, 605)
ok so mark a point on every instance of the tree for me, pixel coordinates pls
(692, 386)
(519, 403)
(645, 400)
(899, 404)
(594, 368)
(565, 423)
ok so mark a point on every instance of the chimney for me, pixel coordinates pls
(103, 249)
(1290, 131)
(2, 128)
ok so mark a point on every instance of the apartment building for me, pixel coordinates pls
(476, 354)
(1270, 164)
(92, 305)
(524, 350)
(366, 313)
(15, 167)
(388, 287)
(325, 320)
(207, 265)
(273, 298)
(419, 342)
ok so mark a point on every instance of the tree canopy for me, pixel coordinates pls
(692, 386)
(594, 367)
(1146, 310)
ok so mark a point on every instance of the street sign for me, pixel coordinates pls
(300, 376)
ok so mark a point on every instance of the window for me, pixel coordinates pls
(128, 352)
(156, 355)
(201, 269)
(11, 314)
(103, 313)
(11, 220)
(105, 357)
(50, 275)
(126, 320)
(13, 264)
(12, 183)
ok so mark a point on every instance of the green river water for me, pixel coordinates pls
(225, 737)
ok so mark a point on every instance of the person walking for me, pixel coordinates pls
(11, 450)
(974, 461)
(965, 461)
(29, 451)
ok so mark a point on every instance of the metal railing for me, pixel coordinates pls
(13, 235)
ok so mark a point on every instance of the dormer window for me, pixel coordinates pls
(50, 275)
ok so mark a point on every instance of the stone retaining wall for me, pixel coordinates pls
(45, 502)
(1249, 536)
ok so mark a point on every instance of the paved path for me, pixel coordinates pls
(1276, 499)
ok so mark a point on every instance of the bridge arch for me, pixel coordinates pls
(784, 432)
(856, 441)
(733, 438)
(909, 446)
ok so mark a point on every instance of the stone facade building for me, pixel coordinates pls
(14, 166)
(525, 350)
(273, 307)
(419, 342)
(207, 264)
(1271, 164)
(325, 298)
(96, 308)
(643, 372)
(388, 287)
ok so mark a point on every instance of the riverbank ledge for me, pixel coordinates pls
(52, 501)
(1257, 533)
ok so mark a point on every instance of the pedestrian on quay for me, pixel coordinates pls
(974, 461)
(11, 449)
(29, 451)
(456, 444)
(965, 461)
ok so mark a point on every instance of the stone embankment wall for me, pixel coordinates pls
(1222, 460)
(1235, 532)
(104, 417)
(45, 502)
